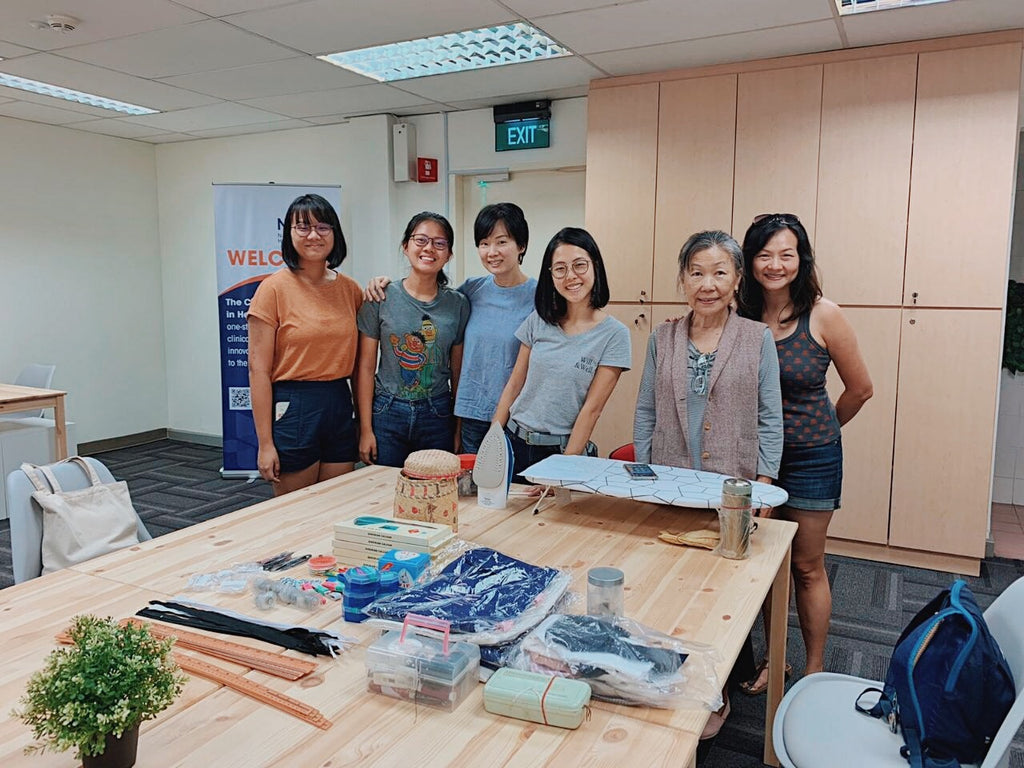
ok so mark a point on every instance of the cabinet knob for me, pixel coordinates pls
(639, 317)
(913, 321)
(643, 297)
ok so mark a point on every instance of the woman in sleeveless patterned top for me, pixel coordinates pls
(810, 333)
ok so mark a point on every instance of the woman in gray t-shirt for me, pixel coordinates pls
(570, 356)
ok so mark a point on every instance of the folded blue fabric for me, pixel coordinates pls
(476, 592)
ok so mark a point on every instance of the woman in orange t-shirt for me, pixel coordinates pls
(302, 351)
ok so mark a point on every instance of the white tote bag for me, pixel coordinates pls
(83, 524)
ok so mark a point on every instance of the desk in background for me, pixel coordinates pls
(15, 398)
(683, 592)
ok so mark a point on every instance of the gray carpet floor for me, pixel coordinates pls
(175, 484)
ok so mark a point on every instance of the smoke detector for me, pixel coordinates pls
(58, 22)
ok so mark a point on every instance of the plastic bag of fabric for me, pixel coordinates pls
(488, 597)
(623, 661)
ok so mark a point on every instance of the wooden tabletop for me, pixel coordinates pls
(15, 398)
(688, 593)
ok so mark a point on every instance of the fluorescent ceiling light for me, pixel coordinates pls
(45, 89)
(456, 52)
(861, 6)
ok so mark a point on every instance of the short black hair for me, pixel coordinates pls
(449, 233)
(549, 303)
(302, 209)
(509, 214)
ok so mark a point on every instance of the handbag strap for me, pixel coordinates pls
(32, 472)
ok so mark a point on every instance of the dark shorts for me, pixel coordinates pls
(317, 424)
(813, 475)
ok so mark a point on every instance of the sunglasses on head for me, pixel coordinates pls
(785, 218)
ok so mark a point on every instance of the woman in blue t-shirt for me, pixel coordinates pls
(500, 301)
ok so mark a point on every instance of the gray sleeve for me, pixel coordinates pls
(618, 352)
(527, 329)
(643, 419)
(769, 410)
(368, 319)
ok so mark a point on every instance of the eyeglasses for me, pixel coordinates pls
(784, 218)
(440, 243)
(579, 267)
(304, 229)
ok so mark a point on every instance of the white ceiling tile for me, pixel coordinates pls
(360, 99)
(493, 82)
(652, 22)
(274, 78)
(238, 130)
(115, 127)
(26, 110)
(531, 8)
(168, 138)
(181, 50)
(201, 118)
(558, 93)
(938, 20)
(329, 26)
(228, 7)
(99, 20)
(54, 69)
(9, 50)
(745, 46)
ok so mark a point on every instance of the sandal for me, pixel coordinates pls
(751, 687)
(716, 720)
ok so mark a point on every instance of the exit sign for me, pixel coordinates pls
(534, 133)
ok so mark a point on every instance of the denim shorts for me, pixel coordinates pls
(403, 426)
(813, 475)
(313, 421)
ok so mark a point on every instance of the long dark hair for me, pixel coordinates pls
(437, 218)
(549, 303)
(805, 288)
(301, 210)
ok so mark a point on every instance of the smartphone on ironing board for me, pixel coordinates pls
(641, 472)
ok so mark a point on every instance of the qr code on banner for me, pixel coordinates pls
(238, 399)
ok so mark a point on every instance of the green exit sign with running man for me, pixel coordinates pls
(522, 134)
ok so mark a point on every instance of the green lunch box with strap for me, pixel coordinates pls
(538, 698)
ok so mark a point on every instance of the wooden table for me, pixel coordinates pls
(15, 398)
(688, 593)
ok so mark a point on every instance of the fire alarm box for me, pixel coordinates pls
(426, 169)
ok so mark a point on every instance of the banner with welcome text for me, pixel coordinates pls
(248, 225)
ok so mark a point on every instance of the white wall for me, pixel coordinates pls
(80, 273)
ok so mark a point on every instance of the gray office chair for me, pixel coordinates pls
(33, 375)
(817, 725)
(27, 516)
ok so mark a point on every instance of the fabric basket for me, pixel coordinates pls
(427, 489)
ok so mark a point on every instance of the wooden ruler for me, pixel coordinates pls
(256, 658)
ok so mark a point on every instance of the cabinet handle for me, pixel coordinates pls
(639, 317)
(914, 296)
(643, 298)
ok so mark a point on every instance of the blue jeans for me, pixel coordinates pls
(403, 426)
(473, 431)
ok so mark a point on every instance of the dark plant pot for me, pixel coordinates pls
(118, 753)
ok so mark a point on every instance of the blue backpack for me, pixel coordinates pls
(948, 688)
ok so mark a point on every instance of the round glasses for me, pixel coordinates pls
(579, 267)
(304, 229)
(440, 244)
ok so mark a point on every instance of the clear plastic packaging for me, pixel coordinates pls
(623, 661)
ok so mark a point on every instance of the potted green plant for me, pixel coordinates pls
(93, 695)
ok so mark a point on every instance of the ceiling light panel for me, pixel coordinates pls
(456, 52)
(861, 6)
(67, 94)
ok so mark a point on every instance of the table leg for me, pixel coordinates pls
(60, 432)
(777, 653)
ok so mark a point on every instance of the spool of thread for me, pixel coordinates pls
(264, 600)
(321, 564)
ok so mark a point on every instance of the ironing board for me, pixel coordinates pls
(675, 486)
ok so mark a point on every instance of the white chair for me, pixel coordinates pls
(27, 516)
(817, 725)
(33, 375)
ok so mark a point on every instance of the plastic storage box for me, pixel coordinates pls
(413, 666)
(536, 697)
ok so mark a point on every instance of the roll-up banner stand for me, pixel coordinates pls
(249, 225)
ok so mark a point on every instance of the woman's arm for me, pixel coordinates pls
(455, 363)
(262, 338)
(769, 412)
(605, 379)
(841, 343)
(514, 385)
(367, 366)
(644, 417)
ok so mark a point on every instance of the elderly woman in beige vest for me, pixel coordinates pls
(709, 396)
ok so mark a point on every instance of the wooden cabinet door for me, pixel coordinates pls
(868, 437)
(615, 427)
(945, 427)
(778, 121)
(867, 134)
(622, 152)
(961, 189)
(696, 147)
